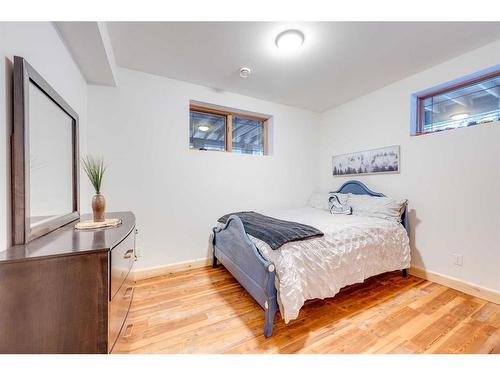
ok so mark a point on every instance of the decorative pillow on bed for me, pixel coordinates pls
(319, 199)
(338, 204)
(381, 207)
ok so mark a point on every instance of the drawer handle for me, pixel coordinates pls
(128, 292)
(128, 330)
(128, 254)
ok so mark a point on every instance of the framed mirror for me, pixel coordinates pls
(45, 159)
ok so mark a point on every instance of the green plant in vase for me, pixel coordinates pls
(94, 168)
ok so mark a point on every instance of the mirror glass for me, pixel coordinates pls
(51, 161)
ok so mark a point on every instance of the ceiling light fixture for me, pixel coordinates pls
(203, 128)
(290, 40)
(245, 72)
(459, 116)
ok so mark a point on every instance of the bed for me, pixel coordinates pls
(352, 249)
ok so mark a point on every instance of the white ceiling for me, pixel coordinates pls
(339, 61)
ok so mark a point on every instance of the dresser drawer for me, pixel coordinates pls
(118, 309)
(122, 260)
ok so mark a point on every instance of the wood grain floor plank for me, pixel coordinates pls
(442, 326)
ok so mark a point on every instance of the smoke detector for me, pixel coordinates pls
(245, 72)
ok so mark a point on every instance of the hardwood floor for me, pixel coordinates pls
(207, 311)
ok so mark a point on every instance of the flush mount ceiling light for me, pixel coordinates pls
(459, 116)
(245, 72)
(290, 40)
(203, 128)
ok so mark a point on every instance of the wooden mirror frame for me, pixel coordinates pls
(22, 232)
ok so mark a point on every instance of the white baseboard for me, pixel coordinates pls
(465, 287)
(146, 273)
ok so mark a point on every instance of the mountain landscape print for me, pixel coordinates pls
(381, 160)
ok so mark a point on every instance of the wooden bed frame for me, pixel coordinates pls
(234, 249)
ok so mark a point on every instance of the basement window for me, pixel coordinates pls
(207, 131)
(214, 129)
(468, 101)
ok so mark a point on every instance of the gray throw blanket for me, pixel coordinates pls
(272, 231)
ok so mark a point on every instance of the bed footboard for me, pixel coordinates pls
(234, 249)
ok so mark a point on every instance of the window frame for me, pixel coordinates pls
(418, 98)
(229, 114)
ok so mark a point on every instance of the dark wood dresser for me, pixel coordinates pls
(68, 291)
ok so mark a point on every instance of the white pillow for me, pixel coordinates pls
(381, 207)
(319, 199)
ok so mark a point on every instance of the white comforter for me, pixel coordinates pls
(352, 249)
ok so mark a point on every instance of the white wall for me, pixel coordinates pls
(40, 45)
(142, 130)
(452, 178)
